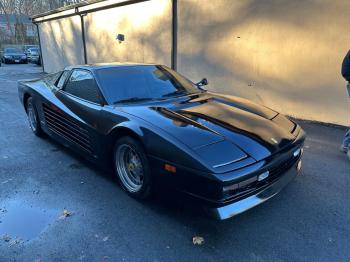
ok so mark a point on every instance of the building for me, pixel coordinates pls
(283, 54)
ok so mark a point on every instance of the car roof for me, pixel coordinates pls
(106, 65)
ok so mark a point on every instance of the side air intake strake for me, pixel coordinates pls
(67, 128)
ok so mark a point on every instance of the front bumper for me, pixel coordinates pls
(13, 60)
(227, 194)
(245, 204)
(33, 59)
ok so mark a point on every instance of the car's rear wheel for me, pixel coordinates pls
(132, 167)
(33, 118)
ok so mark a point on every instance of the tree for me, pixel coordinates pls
(4, 8)
(33, 7)
(20, 8)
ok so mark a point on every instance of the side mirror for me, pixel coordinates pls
(203, 82)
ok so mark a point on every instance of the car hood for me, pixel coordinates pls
(14, 54)
(209, 118)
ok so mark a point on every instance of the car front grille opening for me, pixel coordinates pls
(253, 184)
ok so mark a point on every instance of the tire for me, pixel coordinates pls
(131, 167)
(33, 118)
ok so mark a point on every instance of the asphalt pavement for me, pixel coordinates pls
(54, 206)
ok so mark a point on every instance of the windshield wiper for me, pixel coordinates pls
(133, 99)
(175, 93)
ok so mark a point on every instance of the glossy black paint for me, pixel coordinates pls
(214, 140)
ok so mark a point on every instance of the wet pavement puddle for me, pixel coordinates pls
(23, 221)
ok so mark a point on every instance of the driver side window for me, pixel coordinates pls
(82, 84)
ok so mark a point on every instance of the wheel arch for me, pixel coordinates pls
(26, 96)
(119, 132)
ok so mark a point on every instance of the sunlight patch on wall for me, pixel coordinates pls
(63, 43)
(283, 54)
(146, 27)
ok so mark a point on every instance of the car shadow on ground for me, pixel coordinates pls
(164, 199)
(290, 212)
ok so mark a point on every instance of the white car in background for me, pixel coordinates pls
(33, 55)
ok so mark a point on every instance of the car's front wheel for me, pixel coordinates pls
(132, 167)
(33, 118)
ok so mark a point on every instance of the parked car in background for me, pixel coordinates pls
(27, 47)
(154, 127)
(14, 55)
(33, 55)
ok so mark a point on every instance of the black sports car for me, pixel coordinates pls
(150, 124)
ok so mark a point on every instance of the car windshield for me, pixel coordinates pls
(12, 50)
(140, 83)
(30, 46)
(34, 50)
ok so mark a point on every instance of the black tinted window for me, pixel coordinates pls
(144, 81)
(82, 84)
(63, 79)
(12, 50)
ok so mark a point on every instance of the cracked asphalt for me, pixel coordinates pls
(39, 179)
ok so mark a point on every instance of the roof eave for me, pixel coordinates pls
(65, 8)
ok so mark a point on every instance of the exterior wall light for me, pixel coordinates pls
(120, 38)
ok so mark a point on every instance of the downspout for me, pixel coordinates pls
(82, 32)
(41, 52)
(174, 36)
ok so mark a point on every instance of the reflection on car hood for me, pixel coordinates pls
(14, 54)
(208, 118)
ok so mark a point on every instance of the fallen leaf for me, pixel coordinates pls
(198, 240)
(66, 213)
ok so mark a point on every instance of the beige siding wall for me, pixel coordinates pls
(146, 26)
(62, 43)
(284, 54)
(281, 53)
(147, 30)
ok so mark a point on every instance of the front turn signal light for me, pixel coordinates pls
(170, 168)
